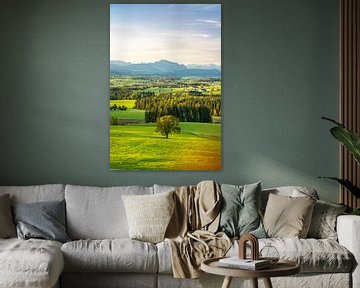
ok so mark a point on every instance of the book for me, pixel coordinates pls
(236, 262)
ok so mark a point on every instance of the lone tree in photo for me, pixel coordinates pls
(166, 125)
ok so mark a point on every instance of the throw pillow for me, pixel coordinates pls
(291, 191)
(7, 227)
(240, 213)
(149, 215)
(323, 222)
(44, 220)
(288, 217)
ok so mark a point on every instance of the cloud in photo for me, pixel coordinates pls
(184, 33)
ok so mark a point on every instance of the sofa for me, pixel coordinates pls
(100, 253)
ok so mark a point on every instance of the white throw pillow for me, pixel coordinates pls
(149, 215)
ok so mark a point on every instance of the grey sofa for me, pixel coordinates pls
(101, 254)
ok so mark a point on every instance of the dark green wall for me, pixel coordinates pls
(280, 75)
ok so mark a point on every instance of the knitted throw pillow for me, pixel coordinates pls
(149, 215)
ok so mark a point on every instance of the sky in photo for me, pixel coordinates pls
(183, 33)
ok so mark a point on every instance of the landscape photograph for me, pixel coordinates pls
(165, 87)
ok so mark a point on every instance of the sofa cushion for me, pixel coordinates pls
(7, 226)
(323, 222)
(240, 210)
(291, 191)
(117, 255)
(98, 213)
(163, 188)
(287, 216)
(30, 263)
(164, 257)
(313, 255)
(36, 193)
(43, 220)
(149, 215)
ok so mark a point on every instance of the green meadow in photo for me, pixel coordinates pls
(165, 94)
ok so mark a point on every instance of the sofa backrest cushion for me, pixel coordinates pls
(98, 212)
(163, 188)
(36, 193)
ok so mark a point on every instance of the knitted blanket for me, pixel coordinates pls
(191, 232)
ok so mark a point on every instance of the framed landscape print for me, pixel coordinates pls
(165, 86)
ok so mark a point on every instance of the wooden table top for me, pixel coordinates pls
(281, 268)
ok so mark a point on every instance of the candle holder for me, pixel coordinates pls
(254, 246)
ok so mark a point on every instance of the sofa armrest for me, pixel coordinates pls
(348, 230)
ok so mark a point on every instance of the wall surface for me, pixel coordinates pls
(280, 75)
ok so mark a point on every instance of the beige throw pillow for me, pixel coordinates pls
(149, 215)
(7, 226)
(288, 217)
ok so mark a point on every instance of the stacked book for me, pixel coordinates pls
(248, 264)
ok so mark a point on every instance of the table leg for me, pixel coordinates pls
(227, 282)
(254, 282)
(267, 283)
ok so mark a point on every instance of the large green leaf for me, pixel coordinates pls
(348, 138)
(347, 184)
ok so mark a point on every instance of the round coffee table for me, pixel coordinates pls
(281, 268)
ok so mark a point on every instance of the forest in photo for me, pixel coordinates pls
(166, 114)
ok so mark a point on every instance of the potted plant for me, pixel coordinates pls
(351, 141)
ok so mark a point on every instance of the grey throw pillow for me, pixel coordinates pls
(44, 220)
(240, 213)
(323, 222)
(7, 226)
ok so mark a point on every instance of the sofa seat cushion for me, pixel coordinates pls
(115, 255)
(30, 263)
(164, 257)
(313, 255)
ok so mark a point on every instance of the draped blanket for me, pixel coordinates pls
(191, 232)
